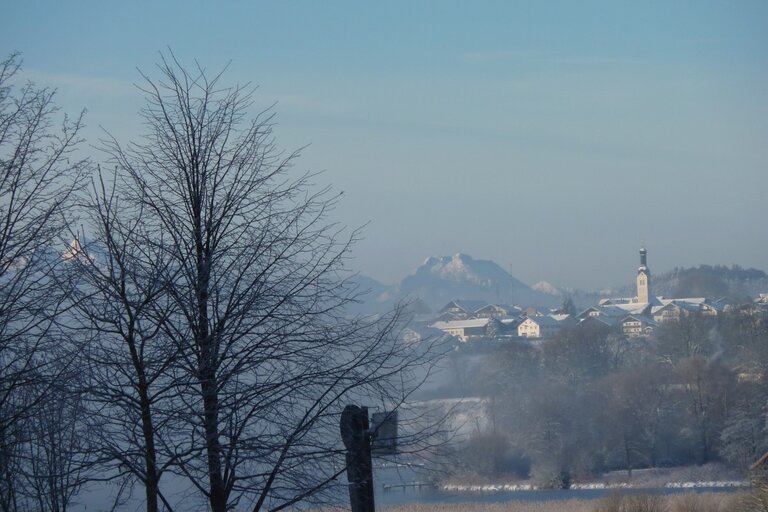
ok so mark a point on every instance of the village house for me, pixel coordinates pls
(637, 325)
(538, 327)
(497, 311)
(599, 322)
(613, 311)
(673, 309)
(460, 309)
(535, 311)
(467, 309)
(464, 329)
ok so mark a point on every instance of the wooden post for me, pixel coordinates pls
(357, 439)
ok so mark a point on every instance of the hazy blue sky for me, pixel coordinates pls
(551, 137)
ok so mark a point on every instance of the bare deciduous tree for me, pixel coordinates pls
(118, 303)
(708, 387)
(38, 175)
(253, 272)
(56, 451)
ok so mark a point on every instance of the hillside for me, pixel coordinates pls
(734, 282)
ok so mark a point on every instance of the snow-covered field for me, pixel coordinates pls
(707, 476)
(715, 484)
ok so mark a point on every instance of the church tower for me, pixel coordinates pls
(643, 279)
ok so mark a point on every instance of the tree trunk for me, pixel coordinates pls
(208, 378)
(218, 495)
(152, 483)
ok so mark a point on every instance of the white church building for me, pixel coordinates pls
(649, 309)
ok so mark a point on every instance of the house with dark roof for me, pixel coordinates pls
(673, 309)
(608, 310)
(461, 309)
(464, 329)
(497, 311)
(599, 322)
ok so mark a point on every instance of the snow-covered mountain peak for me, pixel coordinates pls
(460, 276)
(458, 268)
(547, 287)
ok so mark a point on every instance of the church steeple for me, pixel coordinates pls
(643, 278)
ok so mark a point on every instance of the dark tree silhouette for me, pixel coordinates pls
(254, 295)
(38, 175)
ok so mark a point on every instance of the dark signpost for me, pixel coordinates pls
(355, 432)
(384, 433)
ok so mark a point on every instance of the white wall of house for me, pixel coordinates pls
(530, 328)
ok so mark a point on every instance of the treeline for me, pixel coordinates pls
(590, 401)
(735, 283)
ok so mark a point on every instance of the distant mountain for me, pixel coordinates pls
(548, 288)
(372, 296)
(441, 279)
(371, 288)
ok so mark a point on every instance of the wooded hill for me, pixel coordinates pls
(735, 283)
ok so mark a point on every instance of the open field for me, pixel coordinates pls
(689, 502)
(511, 506)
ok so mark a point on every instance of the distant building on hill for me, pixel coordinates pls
(643, 298)
(639, 315)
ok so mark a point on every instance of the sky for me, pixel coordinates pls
(553, 137)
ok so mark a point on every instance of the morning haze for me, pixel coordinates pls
(261, 255)
(552, 138)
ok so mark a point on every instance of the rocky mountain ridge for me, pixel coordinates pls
(440, 279)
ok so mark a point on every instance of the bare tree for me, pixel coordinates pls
(55, 454)
(38, 175)
(118, 304)
(635, 404)
(689, 335)
(708, 387)
(743, 436)
(257, 291)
